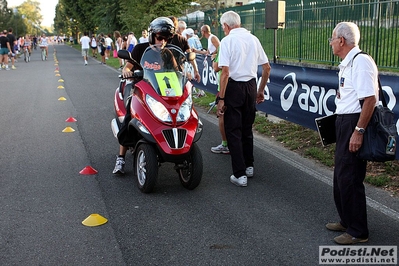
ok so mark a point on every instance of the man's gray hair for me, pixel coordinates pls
(349, 30)
(182, 24)
(231, 18)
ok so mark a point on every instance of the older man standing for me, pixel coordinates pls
(239, 57)
(357, 96)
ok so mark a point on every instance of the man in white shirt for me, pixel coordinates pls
(85, 42)
(358, 82)
(240, 54)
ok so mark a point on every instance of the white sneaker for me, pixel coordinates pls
(119, 166)
(241, 181)
(249, 172)
(85, 62)
(220, 149)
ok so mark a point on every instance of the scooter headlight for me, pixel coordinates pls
(185, 110)
(158, 109)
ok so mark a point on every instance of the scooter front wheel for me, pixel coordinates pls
(190, 173)
(146, 167)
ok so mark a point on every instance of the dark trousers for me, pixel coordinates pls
(349, 174)
(239, 117)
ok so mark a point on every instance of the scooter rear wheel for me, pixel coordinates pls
(191, 174)
(146, 168)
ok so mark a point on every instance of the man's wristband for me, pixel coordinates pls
(220, 98)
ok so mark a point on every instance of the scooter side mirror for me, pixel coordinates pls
(191, 56)
(125, 54)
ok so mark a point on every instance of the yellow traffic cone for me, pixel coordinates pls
(94, 219)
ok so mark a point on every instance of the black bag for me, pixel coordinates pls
(379, 140)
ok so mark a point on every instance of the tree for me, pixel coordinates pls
(132, 12)
(107, 16)
(23, 19)
(5, 15)
(60, 20)
(30, 13)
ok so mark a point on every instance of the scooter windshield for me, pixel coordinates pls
(165, 69)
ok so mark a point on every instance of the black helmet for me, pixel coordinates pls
(161, 26)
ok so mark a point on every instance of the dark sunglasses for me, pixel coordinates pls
(160, 38)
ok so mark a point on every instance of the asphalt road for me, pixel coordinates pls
(279, 219)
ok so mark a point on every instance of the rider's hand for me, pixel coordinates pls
(126, 72)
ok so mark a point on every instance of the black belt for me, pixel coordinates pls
(232, 80)
(348, 115)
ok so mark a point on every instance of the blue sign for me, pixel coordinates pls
(300, 94)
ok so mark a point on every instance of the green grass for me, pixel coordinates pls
(378, 181)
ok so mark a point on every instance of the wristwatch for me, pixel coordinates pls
(360, 130)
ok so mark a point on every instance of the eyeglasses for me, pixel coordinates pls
(332, 39)
(160, 37)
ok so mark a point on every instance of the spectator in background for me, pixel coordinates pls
(193, 40)
(131, 41)
(13, 45)
(101, 45)
(85, 42)
(109, 44)
(238, 94)
(93, 45)
(5, 49)
(181, 27)
(124, 42)
(118, 44)
(222, 148)
(144, 36)
(213, 41)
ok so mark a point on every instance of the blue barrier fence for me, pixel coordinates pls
(300, 94)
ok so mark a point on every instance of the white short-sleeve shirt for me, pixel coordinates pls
(358, 79)
(242, 53)
(85, 42)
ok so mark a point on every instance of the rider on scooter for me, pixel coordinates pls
(161, 30)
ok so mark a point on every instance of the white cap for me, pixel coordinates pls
(189, 32)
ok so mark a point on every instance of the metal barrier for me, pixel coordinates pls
(310, 23)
